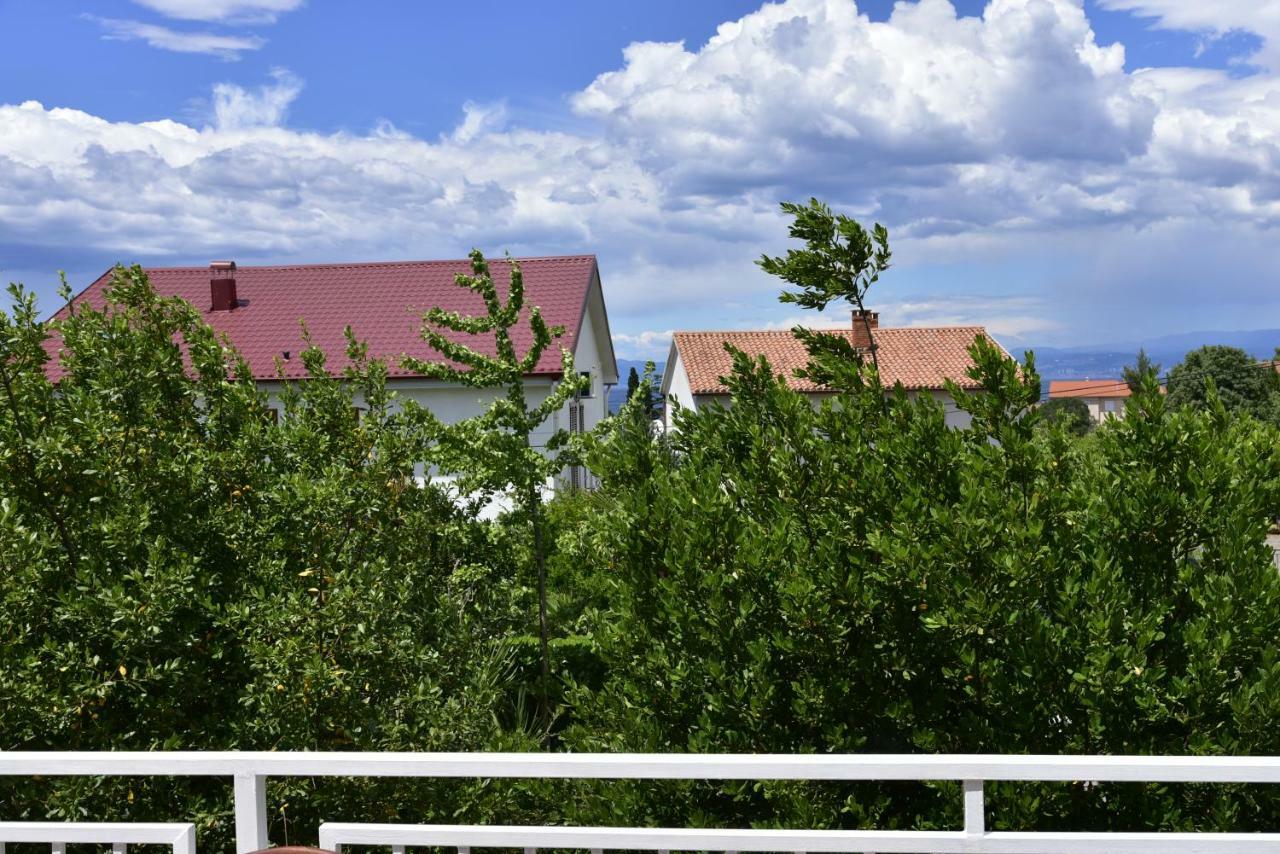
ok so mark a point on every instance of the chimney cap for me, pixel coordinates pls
(222, 266)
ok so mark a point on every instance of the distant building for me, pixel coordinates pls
(260, 309)
(1105, 397)
(920, 358)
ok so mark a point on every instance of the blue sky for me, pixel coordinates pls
(1061, 173)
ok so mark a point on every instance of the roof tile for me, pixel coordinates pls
(382, 302)
(918, 357)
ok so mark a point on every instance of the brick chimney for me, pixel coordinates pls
(862, 320)
(222, 285)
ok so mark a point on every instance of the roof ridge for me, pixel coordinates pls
(825, 329)
(340, 264)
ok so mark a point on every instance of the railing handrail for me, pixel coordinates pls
(337, 837)
(250, 771)
(650, 766)
(179, 836)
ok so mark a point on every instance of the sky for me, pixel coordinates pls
(1062, 172)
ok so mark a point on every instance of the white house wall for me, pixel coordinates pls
(677, 389)
(452, 402)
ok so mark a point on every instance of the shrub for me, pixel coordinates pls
(851, 578)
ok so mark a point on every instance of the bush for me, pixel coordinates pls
(182, 573)
(1071, 413)
(1229, 374)
(851, 578)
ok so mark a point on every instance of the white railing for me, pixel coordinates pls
(119, 835)
(250, 772)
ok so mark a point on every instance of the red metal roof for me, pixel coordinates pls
(382, 302)
(917, 357)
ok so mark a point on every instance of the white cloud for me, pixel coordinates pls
(808, 87)
(1216, 18)
(222, 46)
(646, 344)
(236, 108)
(1017, 318)
(228, 11)
(973, 139)
(478, 119)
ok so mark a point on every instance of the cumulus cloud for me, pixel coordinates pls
(228, 11)
(972, 138)
(224, 47)
(808, 87)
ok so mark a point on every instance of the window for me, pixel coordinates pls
(589, 391)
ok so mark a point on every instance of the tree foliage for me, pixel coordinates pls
(1071, 413)
(179, 571)
(1227, 374)
(494, 452)
(841, 260)
(851, 578)
(1143, 365)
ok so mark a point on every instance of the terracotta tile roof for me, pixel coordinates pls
(917, 357)
(1088, 388)
(382, 302)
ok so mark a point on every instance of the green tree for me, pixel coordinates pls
(633, 383)
(1071, 413)
(1239, 381)
(645, 390)
(841, 261)
(182, 573)
(1143, 366)
(856, 578)
(493, 453)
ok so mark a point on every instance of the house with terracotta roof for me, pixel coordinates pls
(920, 358)
(1105, 397)
(261, 311)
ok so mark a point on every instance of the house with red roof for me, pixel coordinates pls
(921, 359)
(1105, 397)
(261, 311)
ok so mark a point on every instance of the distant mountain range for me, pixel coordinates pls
(1103, 361)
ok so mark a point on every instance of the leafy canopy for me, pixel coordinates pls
(1071, 413)
(1239, 382)
(841, 260)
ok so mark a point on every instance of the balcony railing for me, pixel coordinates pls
(250, 772)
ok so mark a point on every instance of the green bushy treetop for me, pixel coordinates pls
(1133, 374)
(855, 578)
(1235, 378)
(1071, 413)
(494, 453)
(180, 572)
(633, 382)
(840, 261)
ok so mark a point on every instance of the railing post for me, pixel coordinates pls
(185, 843)
(251, 813)
(974, 809)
